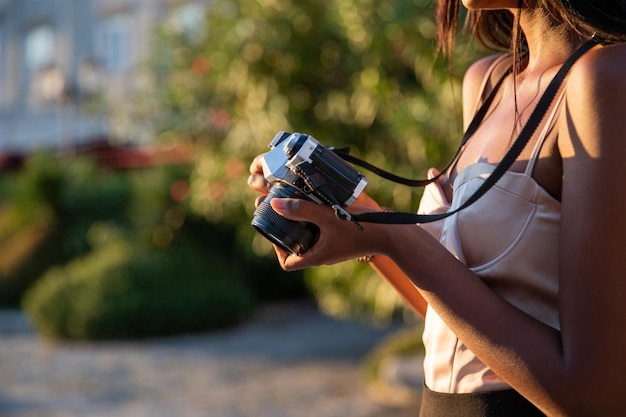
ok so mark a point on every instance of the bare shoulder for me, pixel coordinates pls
(473, 81)
(609, 58)
(478, 69)
(601, 70)
(595, 98)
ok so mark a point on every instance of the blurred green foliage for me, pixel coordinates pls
(46, 213)
(349, 72)
(94, 253)
(383, 366)
(121, 291)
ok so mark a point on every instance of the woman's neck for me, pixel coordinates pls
(549, 45)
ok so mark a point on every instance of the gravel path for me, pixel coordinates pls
(290, 361)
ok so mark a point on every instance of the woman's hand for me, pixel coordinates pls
(332, 229)
(338, 240)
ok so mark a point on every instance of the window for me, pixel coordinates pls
(43, 79)
(39, 48)
(113, 43)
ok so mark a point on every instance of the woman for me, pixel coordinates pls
(523, 291)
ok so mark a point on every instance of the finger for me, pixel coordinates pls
(288, 261)
(258, 183)
(296, 209)
(292, 263)
(259, 200)
(256, 167)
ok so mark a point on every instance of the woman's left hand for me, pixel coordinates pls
(338, 240)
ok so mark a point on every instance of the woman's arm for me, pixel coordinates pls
(390, 272)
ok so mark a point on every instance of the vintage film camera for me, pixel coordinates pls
(297, 166)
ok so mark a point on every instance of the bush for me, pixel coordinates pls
(58, 210)
(117, 292)
(161, 220)
(354, 290)
(47, 211)
(25, 254)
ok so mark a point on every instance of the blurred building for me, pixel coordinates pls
(63, 63)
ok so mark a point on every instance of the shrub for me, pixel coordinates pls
(117, 292)
(161, 220)
(25, 254)
(47, 211)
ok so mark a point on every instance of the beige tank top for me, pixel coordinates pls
(509, 238)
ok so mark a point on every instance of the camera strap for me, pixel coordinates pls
(527, 132)
(476, 121)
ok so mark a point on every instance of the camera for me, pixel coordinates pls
(297, 166)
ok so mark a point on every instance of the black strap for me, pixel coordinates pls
(476, 121)
(527, 132)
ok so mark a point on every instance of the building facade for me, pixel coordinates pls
(58, 57)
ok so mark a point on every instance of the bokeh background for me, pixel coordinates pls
(126, 132)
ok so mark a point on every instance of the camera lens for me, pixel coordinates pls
(293, 236)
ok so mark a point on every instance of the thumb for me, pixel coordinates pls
(292, 208)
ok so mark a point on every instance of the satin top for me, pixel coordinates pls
(510, 239)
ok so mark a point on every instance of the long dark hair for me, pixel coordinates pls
(496, 29)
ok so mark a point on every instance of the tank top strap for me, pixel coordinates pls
(486, 78)
(549, 124)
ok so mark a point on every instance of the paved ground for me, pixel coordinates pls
(290, 361)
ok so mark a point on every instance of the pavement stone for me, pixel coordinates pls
(288, 361)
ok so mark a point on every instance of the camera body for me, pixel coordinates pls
(298, 166)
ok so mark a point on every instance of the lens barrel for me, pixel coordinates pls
(293, 236)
